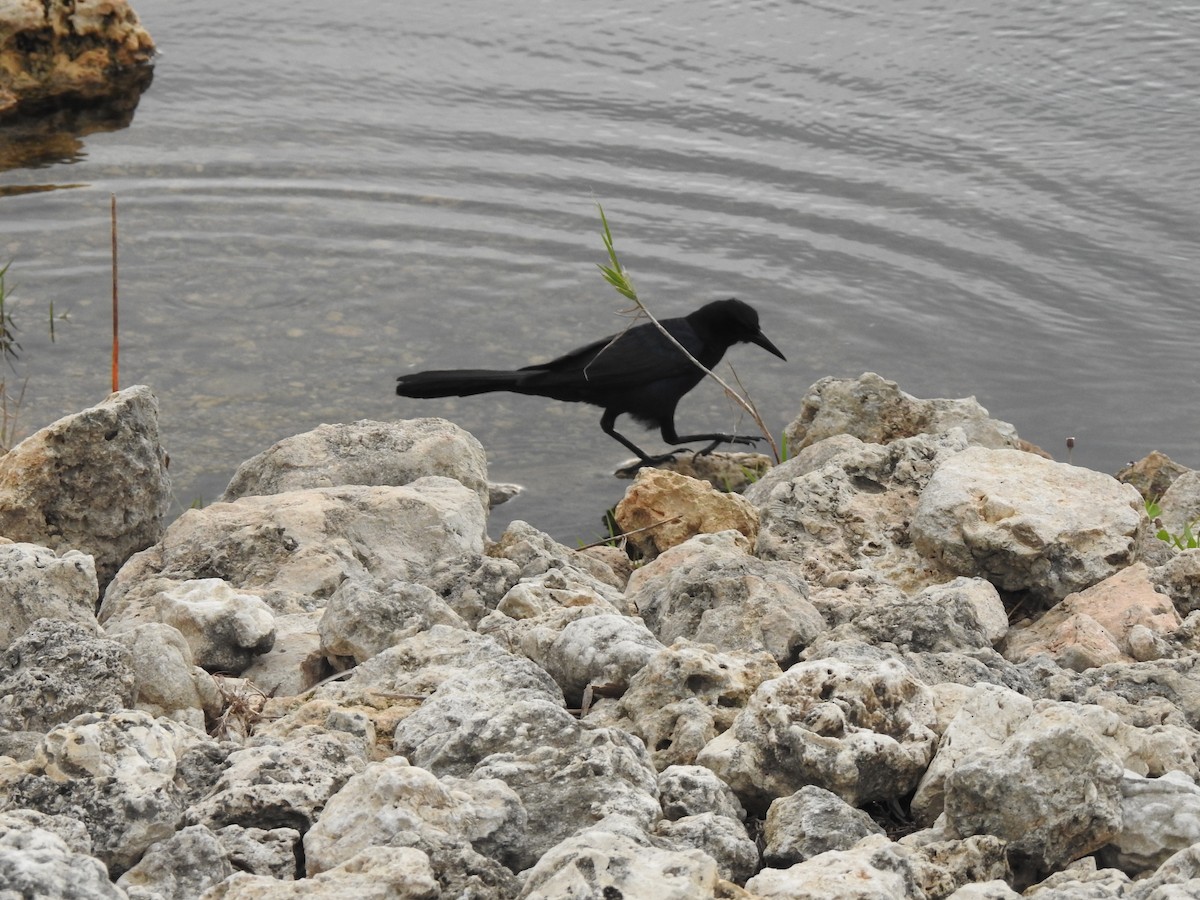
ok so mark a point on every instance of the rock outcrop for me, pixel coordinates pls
(931, 665)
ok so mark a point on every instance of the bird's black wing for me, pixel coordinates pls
(630, 359)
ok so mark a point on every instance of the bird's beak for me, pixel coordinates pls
(762, 341)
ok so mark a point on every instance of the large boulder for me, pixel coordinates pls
(1026, 523)
(95, 481)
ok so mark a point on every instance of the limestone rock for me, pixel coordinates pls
(377, 873)
(124, 775)
(961, 615)
(845, 518)
(280, 783)
(35, 862)
(1027, 524)
(1051, 791)
(37, 583)
(365, 452)
(810, 822)
(60, 52)
(88, 672)
(360, 621)
(875, 410)
(293, 550)
(504, 719)
(95, 481)
(729, 471)
(1159, 817)
(393, 804)
(272, 852)
(166, 680)
(179, 868)
(536, 553)
(604, 651)
(873, 869)
(723, 839)
(600, 863)
(295, 661)
(694, 790)
(683, 698)
(1152, 474)
(858, 727)
(1116, 606)
(1179, 578)
(662, 509)
(710, 590)
(1181, 503)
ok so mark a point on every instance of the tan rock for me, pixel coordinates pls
(1152, 474)
(70, 50)
(665, 509)
(1093, 627)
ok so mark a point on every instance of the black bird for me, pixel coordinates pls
(638, 372)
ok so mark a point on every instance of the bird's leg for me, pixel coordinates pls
(607, 423)
(669, 435)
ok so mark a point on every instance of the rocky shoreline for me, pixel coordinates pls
(916, 660)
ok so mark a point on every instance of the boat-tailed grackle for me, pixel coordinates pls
(638, 372)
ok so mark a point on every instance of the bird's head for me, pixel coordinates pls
(735, 321)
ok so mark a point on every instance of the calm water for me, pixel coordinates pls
(968, 198)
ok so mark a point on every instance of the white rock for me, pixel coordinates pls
(37, 583)
(1026, 523)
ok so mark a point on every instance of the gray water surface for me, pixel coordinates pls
(970, 198)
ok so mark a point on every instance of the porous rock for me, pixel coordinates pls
(857, 726)
(873, 869)
(179, 868)
(1152, 474)
(376, 873)
(88, 671)
(694, 790)
(729, 471)
(683, 697)
(394, 804)
(37, 583)
(958, 616)
(293, 550)
(504, 719)
(1159, 817)
(844, 516)
(1026, 523)
(58, 52)
(662, 509)
(94, 481)
(723, 839)
(277, 782)
(536, 553)
(603, 863)
(875, 410)
(35, 862)
(710, 590)
(1180, 505)
(1179, 579)
(360, 621)
(1051, 790)
(809, 822)
(365, 452)
(125, 775)
(295, 661)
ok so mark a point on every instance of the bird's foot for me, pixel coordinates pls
(749, 439)
(651, 461)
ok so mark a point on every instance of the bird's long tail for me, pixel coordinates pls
(456, 383)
